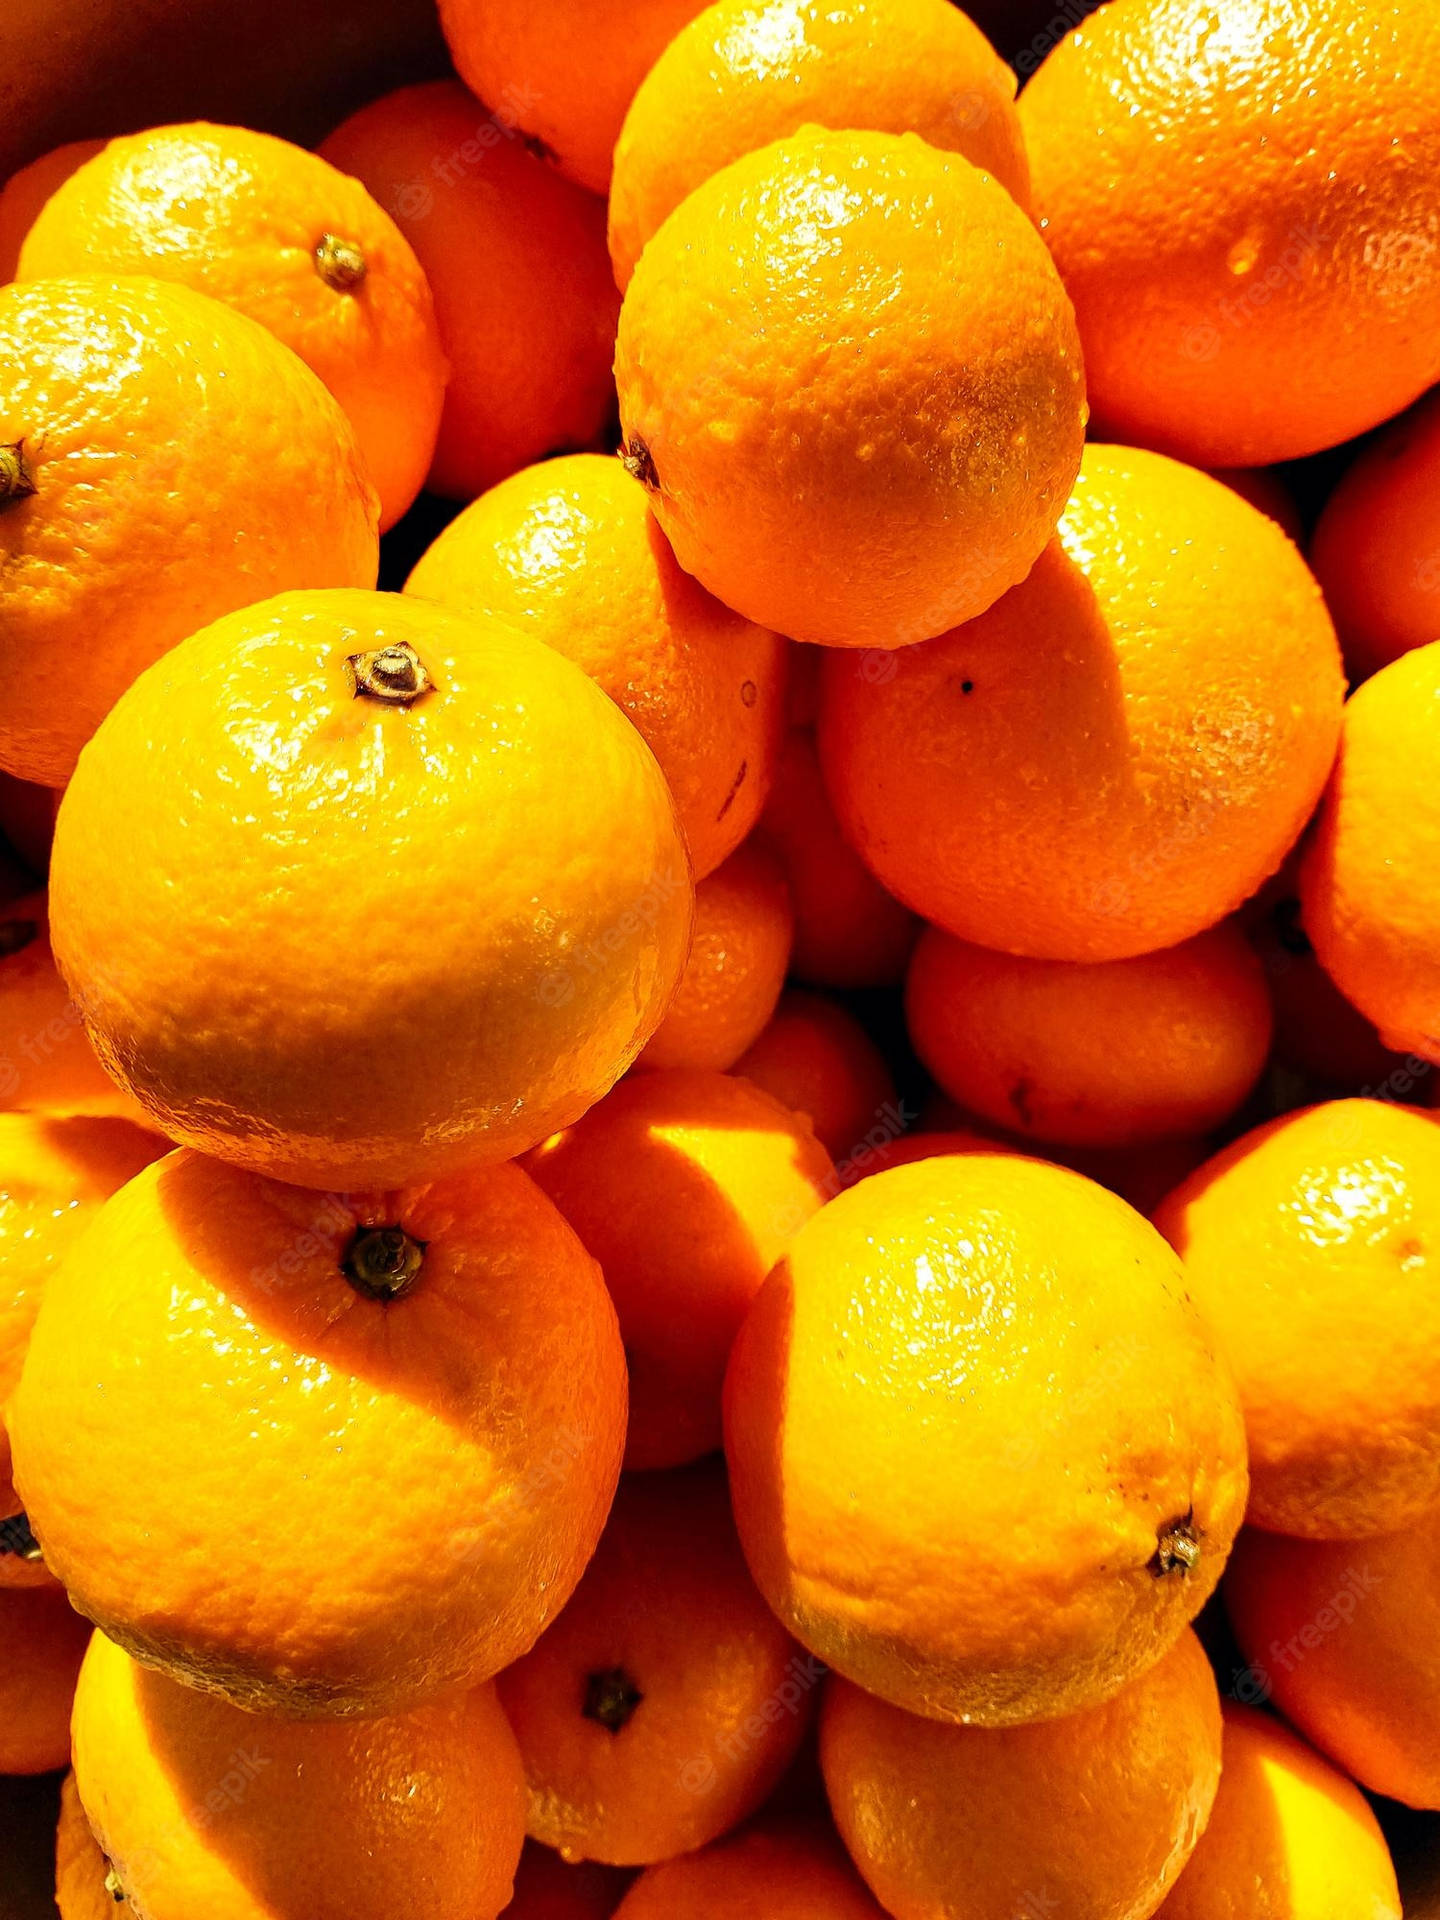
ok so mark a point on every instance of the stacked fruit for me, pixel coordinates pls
(483, 1342)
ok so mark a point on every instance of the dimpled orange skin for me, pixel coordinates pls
(358, 943)
(469, 1432)
(203, 1809)
(184, 463)
(1370, 873)
(1105, 763)
(1289, 1838)
(549, 1888)
(850, 378)
(24, 194)
(1345, 1637)
(744, 924)
(1114, 1054)
(815, 1058)
(1240, 204)
(668, 1612)
(42, 1640)
(785, 1871)
(687, 1187)
(80, 1866)
(1101, 1809)
(968, 1418)
(747, 72)
(1310, 1245)
(516, 261)
(569, 551)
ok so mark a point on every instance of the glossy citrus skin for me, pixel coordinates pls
(356, 942)
(569, 551)
(25, 193)
(549, 1888)
(42, 1641)
(1238, 202)
(1101, 1809)
(1112, 1054)
(184, 463)
(687, 1187)
(239, 215)
(516, 261)
(1368, 880)
(1343, 1636)
(739, 952)
(469, 1432)
(201, 1808)
(1289, 1838)
(1105, 763)
(1310, 1245)
(747, 72)
(967, 1418)
(850, 378)
(815, 1058)
(786, 1871)
(80, 1867)
(666, 1610)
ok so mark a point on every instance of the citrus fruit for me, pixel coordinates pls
(783, 1870)
(1100, 1810)
(850, 382)
(1289, 1838)
(201, 1808)
(163, 460)
(282, 236)
(667, 1700)
(1110, 1053)
(42, 1641)
(569, 552)
(443, 1390)
(686, 1187)
(746, 72)
(81, 1869)
(815, 1058)
(1105, 763)
(1237, 200)
(549, 1888)
(516, 261)
(25, 193)
(423, 904)
(984, 1458)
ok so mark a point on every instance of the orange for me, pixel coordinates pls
(1318, 1033)
(1264, 489)
(850, 381)
(27, 819)
(569, 552)
(1368, 881)
(1376, 550)
(479, 914)
(985, 1460)
(744, 924)
(442, 1380)
(25, 193)
(1311, 1246)
(815, 1058)
(1099, 1811)
(203, 1809)
(1343, 1636)
(1112, 1053)
(81, 1869)
(41, 1643)
(785, 1871)
(163, 460)
(667, 1700)
(1289, 1838)
(848, 931)
(1105, 763)
(282, 236)
(516, 261)
(1237, 200)
(746, 72)
(549, 1888)
(687, 1187)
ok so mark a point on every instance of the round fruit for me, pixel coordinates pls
(783, 1871)
(464, 895)
(569, 552)
(1105, 763)
(25, 193)
(282, 236)
(83, 1888)
(1101, 1809)
(203, 1809)
(816, 1059)
(42, 1641)
(746, 72)
(1114, 1053)
(441, 1379)
(549, 1888)
(850, 381)
(516, 261)
(687, 1188)
(1239, 202)
(163, 461)
(984, 1460)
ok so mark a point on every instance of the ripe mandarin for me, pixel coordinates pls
(25, 193)
(815, 1058)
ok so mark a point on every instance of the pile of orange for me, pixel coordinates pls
(720, 976)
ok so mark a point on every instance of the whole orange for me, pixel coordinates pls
(783, 1870)
(25, 193)
(815, 1058)
(42, 1641)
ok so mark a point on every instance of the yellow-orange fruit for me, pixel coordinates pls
(815, 1058)
(25, 193)
(781, 1869)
